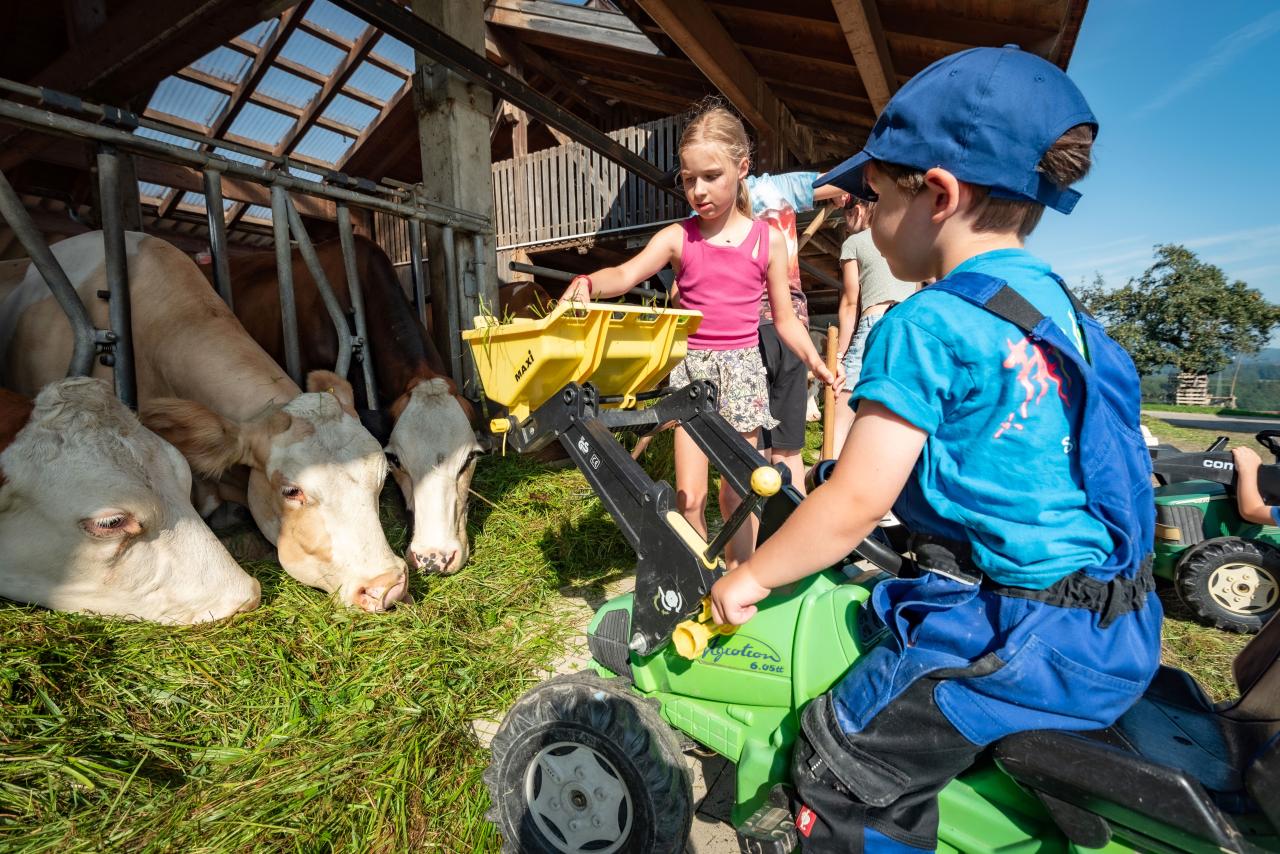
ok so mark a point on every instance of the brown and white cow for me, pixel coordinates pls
(96, 515)
(314, 473)
(432, 446)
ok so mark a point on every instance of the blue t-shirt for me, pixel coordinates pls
(997, 469)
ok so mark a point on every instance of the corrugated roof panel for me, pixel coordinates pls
(258, 212)
(324, 144)
(224, 63)
(305, 175)
(187, 100)
(310, 51)
(193, 200)
(181, 142)
(331, 17)
(260, 124)
(243, 158)
(372, 80)
(350, 112)
(259, 33)
(290, 88)
(147, 190)
(395, 51)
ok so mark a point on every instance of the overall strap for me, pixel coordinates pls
(997, 297)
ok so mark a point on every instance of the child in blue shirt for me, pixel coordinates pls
(1000, 424)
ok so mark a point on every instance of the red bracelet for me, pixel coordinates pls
(590, 285)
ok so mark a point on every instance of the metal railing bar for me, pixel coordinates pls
(331, 304)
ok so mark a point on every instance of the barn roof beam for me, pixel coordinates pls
(525, 61)
(860, 21)
(337, 80)
(701, 36)
(610, 30)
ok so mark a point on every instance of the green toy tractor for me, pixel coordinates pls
(592, 761)
(1224, 569)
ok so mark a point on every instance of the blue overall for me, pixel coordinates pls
(1073, 656)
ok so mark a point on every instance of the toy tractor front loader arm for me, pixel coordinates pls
(676, 567)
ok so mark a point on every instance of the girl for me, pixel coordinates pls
(723, 260)
(869, 291)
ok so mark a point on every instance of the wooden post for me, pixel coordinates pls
(453, 136)
(829, 395)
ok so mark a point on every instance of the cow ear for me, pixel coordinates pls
(211, 443)
(318, 381)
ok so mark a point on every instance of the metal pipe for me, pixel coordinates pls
(82, 331)
(284, 278)
(416, 271)
(361, 346)
(117, 268)
(331, 304)
(218, 234)
(452, 293)
(46, 121)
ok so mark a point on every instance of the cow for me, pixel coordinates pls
(309, 472)
(96, 515)
(432, 447)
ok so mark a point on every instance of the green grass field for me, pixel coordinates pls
(307, 727)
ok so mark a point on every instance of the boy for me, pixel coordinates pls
(1001, 425)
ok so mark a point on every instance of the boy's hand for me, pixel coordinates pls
(1246, 459)
(734, 596)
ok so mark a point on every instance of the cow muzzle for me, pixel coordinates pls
(382, 592)
(435, 561)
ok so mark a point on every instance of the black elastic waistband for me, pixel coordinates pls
(1111, 599)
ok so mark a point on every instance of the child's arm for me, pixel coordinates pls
(790, 329)
(1252, 507)
(662, 249)
(873, 467)
(848, 310)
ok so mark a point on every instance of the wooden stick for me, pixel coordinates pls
(813, 227)
(829, 395)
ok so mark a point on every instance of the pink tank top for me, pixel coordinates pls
(725, 283)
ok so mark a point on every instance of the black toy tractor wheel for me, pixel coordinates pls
(1230, 582)
(581, 765)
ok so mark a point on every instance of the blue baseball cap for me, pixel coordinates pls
(986, 115)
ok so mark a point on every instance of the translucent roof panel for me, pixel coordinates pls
(259, 33)
(306, 49)
(329, 16)
(180, 141)
(323, 144)
(147, 190)
(374, 81)
(350, 112)
(261, 125)
(193, 200)
(290, 88)
(258, 212)
(187, 100)
(395, 51)
(224, 63)
(305, 175)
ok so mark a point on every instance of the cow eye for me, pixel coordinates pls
(471, 458)
(293, 493)
(111, 525)
(393, 460)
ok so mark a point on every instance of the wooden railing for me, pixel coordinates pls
(570, 193)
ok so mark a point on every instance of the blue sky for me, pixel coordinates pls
(1187, 94)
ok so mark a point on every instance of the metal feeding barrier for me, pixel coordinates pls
(112, 130)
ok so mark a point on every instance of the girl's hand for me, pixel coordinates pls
(734, 596)
(825, 374)
(1246, 459)
(579, 290)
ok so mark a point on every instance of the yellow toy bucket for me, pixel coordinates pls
(623, 349)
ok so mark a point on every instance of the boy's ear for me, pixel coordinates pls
(944, 189)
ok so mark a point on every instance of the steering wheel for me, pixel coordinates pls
(873, 548)
(1270, 439)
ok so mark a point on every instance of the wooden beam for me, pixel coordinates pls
(528, 60)
(860, 20)
(702, 37)
(369, 131)
(609, 30)
(337, 80)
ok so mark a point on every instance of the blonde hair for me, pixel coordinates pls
(713, 124)
(1066, 162)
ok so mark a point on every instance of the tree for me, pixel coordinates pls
(1182, 312)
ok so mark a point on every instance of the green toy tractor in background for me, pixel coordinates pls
(592, 762)
(1224, 569)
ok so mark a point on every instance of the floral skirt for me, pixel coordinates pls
(739, 376)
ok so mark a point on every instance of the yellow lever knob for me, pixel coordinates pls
(766, 481)
(691, 637)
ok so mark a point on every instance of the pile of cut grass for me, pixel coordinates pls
(302, 726)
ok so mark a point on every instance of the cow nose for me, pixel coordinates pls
(253, 599)
(381, 592)
(437, 561)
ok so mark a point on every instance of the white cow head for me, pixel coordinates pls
(96, 516)
(432, 453)
(315, 477)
